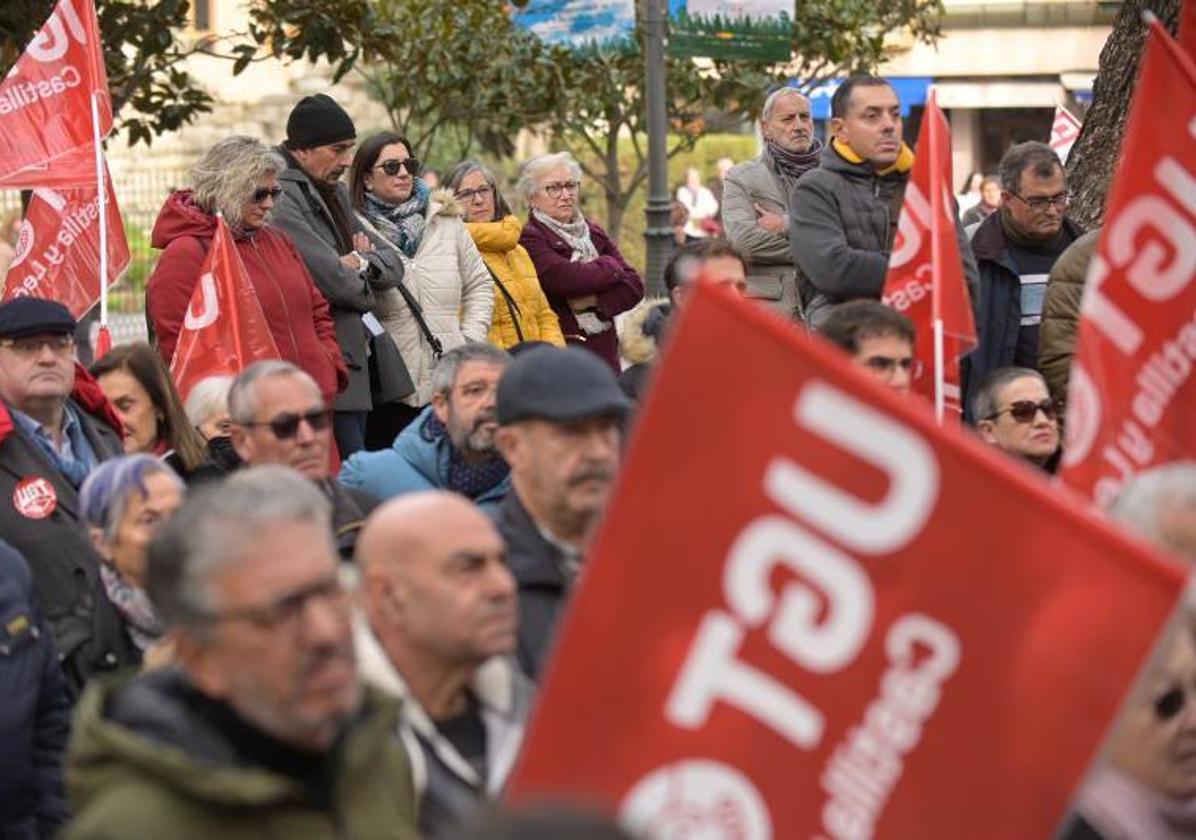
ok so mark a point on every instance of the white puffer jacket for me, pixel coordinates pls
(452, 286)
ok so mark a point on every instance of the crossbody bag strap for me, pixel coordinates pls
(516, 315)
(418, 312)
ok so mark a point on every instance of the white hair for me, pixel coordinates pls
(208, 399)
(1139, 502)
(228, 174)
(536, 168)
(776, 96)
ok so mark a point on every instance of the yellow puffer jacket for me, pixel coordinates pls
(499, 245)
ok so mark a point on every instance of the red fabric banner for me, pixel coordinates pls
(1187, 26)
(46, 137)
(1065, 130)
(58, 250)
(224, 330)
(915, 269)
(818, 614)
(1132, 393)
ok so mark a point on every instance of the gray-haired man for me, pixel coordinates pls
(262, 728)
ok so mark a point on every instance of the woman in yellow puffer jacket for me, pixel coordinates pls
(521, 312)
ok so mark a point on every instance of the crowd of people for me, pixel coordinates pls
(315, 599)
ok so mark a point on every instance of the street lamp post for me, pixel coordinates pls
(658, 233)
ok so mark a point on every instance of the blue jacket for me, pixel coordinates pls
(418, 460)
(34, 714)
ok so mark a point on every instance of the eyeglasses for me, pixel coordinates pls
(285, 614)
(31, 345)
(885, 365)
(262, 193)
(470, 195)
(1024, 411)
(554, 190)
(1040, 204)
(286, 426)
(392, 167)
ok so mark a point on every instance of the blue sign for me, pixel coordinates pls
(578, 23)
(911, 90)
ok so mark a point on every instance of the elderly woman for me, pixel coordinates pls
(238, 177)
(446, 297)
(134, 380)
(521, 312)
(207, 411)
(124, 501)
(584, 276)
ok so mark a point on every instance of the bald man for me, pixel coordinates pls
(441, 618)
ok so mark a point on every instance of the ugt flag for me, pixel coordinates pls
(925, 263)
(224, 330)
(58, 249)
(1065, 130)
(1132, 394)
(46, 137)
(799, 622)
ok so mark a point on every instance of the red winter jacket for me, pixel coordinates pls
(297, 313)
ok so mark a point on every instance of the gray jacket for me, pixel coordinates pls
(842, 223)
(304, 216)
(771, 260)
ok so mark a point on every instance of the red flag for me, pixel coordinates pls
(46, 132)
(926, 257)
(224, 330)
(1187, 26)
(58, 250)
(1065, 130)
(800, 620)
(1132, 393)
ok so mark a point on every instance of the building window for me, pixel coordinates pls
(203, 14)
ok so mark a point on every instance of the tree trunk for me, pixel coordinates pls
(1094, 158)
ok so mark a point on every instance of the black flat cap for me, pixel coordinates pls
(34, 316)
(551, 383)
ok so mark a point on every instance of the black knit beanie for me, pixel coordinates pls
(318, 121)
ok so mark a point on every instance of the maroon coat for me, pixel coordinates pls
(615, 283)
(295, 311)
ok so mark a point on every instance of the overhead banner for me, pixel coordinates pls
(925, 262)
(46, 133)
(731, 29)
(224, 330)
(1132, 394)
(578, 23)
(58, 248)
(816, 614)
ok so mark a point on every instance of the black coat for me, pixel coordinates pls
(34, 714)
(538, 568)
(89, 634)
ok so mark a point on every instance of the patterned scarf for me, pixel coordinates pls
(470, 480)
(402, 224)
(576, 233)
(789, 166)
(134, 607)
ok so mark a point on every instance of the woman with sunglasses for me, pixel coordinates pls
(238, 177)
(446, 297)
(521, 312)
(583, 274)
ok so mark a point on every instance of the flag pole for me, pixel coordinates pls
(936, 258)
(104, 339)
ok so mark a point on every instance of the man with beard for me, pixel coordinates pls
(441, 624)
(315, 211)
(261, 729)
(560, 414)
(279, 417)
(450, 446)
(756, 196)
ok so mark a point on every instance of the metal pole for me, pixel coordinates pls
(658, 233)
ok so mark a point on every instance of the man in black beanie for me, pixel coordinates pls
(315, 211)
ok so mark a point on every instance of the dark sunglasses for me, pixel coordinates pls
(286, 426)
(262, 193)
(885, 365)
(1024, 411)
(392, 167)
(1170, 703)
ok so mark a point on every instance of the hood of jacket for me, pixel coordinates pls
(642, 328)
(442, 202)
(841, 158)
(181, 216)
(496, 237)
(140, 726)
